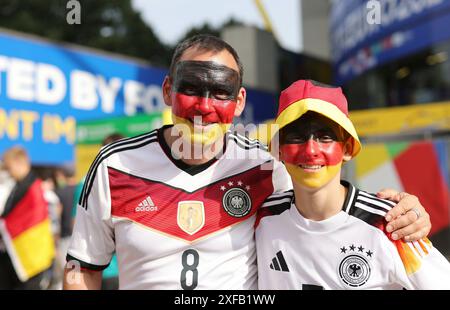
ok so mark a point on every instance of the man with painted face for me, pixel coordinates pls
(204, 96)
(331, 235)
(177, 217)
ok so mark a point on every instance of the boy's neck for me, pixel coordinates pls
(320, 204)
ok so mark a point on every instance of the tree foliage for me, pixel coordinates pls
(111, 25)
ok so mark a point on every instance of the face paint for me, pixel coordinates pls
(311, 152)
(312, 164)
(204, 99)
(195, 134)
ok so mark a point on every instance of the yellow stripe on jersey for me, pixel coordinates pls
(411, 255)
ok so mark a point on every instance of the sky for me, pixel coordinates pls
(171, 19)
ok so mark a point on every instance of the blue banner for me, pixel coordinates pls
(45, 88)
(361, 42)
(260, 106)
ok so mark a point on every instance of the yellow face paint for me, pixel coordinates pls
(312, 151)
(193, 135)
(313, 179)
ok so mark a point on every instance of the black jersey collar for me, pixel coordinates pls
(351, 196)
(190, 169)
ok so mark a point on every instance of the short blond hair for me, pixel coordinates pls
(16, 152)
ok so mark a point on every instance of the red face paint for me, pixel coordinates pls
(206, 92)
(313, 153)
(300, 160)
(206, 89)
(312, 149)
(211, 110)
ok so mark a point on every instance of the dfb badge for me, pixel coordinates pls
(354, 270)
(236, 202)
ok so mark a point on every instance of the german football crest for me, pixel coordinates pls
(236, 201)
(191, 216)
(354, 270)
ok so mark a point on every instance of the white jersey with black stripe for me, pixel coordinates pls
(175, 226)
(350, 250)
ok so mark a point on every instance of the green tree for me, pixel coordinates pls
(111, 25)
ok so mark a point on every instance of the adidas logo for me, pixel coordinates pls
(146, 205)
(279, 263)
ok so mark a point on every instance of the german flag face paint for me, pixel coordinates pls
(312, 150)
(204, 98)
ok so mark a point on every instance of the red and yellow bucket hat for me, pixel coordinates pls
(306, 95)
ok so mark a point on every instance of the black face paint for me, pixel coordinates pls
(311, 126)
(206, 79)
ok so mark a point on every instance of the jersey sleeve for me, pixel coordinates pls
(280, 178)
(282, 195)
(418, 265)
(92, 243)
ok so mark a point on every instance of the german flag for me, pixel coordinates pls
(26, 230)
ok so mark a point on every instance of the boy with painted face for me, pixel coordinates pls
(331, 235)
(312, 149)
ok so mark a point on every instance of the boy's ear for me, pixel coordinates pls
(348, 150)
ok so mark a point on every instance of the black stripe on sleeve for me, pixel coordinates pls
(371, 205)
(102, 156)
(86, 265)
(287, 194)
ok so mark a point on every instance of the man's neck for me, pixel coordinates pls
(196, 154)
(321, 204)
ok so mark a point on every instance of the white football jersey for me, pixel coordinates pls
(175, 226)
(350, 250)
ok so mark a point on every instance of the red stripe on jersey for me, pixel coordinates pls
(158, 202)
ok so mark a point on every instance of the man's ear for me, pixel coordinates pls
(167, 90)
(242, 96)
(348, 150)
